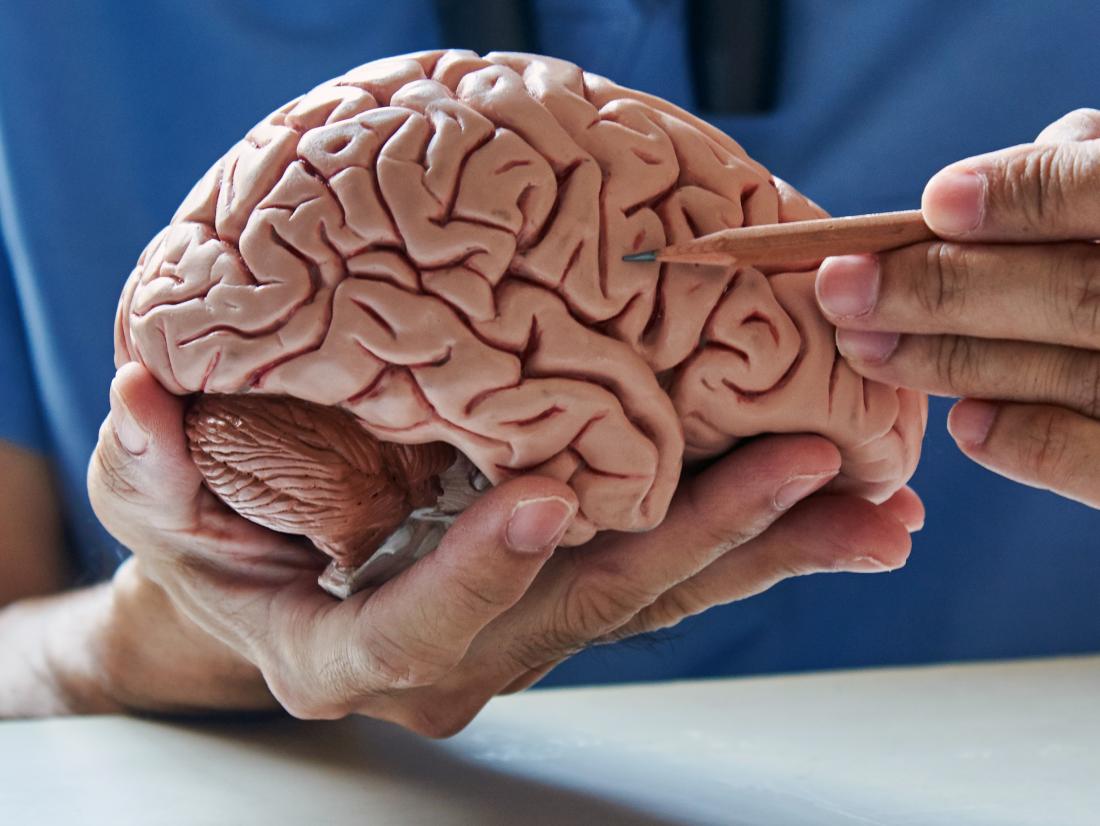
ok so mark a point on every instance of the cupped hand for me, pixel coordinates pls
(1005, 314)
(216, 612)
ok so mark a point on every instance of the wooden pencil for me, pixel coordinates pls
(795, 241)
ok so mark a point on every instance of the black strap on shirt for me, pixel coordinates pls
(487, 25)
(734, 46)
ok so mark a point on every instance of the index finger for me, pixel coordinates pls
(1025, 292)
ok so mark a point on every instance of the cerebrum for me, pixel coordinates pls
(432, 244)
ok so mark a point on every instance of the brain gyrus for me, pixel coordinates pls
(432, 244)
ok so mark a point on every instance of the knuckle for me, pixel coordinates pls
(110, 470)
(302, 703)
(481, 596)
(302, 708)
(715, 539)
(353, 677)
(955, 361)
(389, 664)
(1041, 375)
(338, 677)
(587, 613)
(1083, 381)
(109, 484)
(602, 600)
(1035, 184)
(1045, 446)
(942, 289)
(437, 717)
(1083, 298)
(536, 652)
(676, 605)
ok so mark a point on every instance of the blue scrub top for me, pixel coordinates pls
(109, 111)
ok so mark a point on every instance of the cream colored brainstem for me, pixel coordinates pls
(433, 244)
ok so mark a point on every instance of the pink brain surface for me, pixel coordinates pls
(433, 243)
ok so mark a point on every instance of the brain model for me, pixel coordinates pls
(408, 284)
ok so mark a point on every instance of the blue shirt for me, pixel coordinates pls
(110, 111)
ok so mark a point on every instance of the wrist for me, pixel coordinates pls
(48, 656)
(156, 659)
(76, 632)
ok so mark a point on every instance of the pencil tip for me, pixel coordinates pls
(650, 255)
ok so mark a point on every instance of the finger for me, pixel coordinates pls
(217, 568)
(600, 586)
(588, 592)
(729, 503)
(962, 366)
(1039, 445)
(419, 625)
(723, 507)
(912, 428)
(1034, 192)
(823, 534)
(1078, 125)
(591, 591)
(1048, 293)
(141, 464)
(147, 491)
(906, 507)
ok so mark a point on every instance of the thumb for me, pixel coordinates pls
(414, 629)
(141, 473)
(484, 565)
(1034, 192)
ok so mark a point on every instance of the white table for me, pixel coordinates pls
(991, 744)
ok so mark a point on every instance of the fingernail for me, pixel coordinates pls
(971, 421)
(847, 285)
(537, 524)
(954, 202)
(130, 434)
(865, 565)
(862, 345)
(797, 488)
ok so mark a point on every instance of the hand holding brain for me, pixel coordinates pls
(430, 248)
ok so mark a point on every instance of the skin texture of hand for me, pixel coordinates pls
(1006, 314)
(215, 612)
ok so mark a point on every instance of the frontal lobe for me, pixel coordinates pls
(433, 244)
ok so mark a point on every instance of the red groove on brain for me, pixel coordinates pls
(434, 244)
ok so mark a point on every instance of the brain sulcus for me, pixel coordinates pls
(423, 256)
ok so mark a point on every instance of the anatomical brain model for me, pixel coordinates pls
(417, 266)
